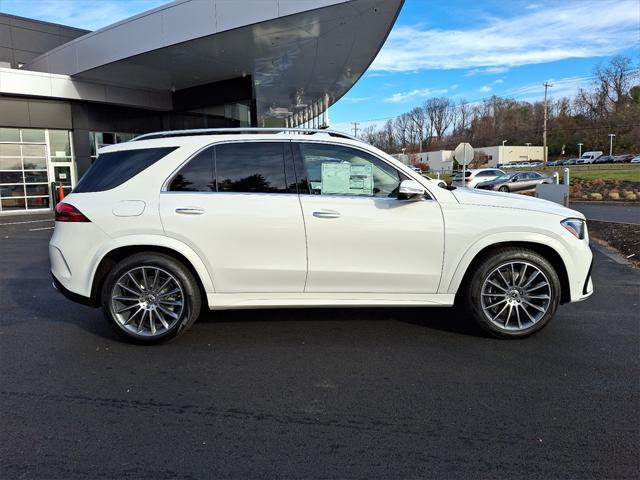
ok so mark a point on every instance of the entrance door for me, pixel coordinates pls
(360, 237)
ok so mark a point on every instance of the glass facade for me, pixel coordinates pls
(102, 139)
(29, 160)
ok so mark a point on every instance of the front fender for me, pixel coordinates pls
(451, 284)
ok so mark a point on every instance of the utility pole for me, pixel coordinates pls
(355, 128)
(580, 149)
(611, 135)
(544, 130)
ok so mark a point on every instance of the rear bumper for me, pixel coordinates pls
(74, 297)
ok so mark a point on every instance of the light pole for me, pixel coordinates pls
(528, 144)
(544, 128)
(611, 135)
(580, 149)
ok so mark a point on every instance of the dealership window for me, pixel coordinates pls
(60, 142)
(98, 140)
(28, 163)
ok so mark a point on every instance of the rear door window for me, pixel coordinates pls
(253, 167)
(112, 169)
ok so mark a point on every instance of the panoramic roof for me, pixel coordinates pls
(296, 52)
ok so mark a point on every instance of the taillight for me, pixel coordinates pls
(69, 213)
(468, 179)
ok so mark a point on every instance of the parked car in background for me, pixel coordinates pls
(635, 159)
(516, 182)
(475, 176)
(604, 159)
(170, 223)
(416, 169)
(589, 157)
(623, 158)
(571, 161)
(437, 181)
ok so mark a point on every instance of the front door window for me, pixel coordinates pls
(340, 170)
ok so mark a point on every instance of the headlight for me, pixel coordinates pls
(575, 225)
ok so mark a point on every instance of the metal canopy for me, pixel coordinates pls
(297, 52)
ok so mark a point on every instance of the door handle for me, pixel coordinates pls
(326, 214)
(190, 211)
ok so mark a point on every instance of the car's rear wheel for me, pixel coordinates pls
(504, 189)
(151, 298)
(513, 293)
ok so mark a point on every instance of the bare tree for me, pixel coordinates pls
(440, 113)
(614, 81)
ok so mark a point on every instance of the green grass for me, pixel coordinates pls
(627, 172)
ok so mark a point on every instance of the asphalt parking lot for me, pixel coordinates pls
(323, 393)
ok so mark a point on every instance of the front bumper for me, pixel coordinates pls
(588, 283)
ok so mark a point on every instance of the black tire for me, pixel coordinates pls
(472, 294)
(504, 189)
(189, 296)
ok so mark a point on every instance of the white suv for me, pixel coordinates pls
(168, 223)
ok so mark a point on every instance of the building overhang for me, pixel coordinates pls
(295, 52)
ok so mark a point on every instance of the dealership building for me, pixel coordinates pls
(66, 92)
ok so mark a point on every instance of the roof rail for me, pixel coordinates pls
(239, 130)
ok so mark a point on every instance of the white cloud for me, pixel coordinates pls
(400, 97)
(569, 29)
(533, 6)
(485, 88)
(486, 71)
(562, 87)
(347, 98)
(498, 81)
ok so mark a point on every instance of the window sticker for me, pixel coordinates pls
(346, 179)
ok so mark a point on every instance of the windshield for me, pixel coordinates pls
(504, 176)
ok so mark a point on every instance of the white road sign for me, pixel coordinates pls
(463, 153)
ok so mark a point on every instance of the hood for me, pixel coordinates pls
(490, 182)
(488, 198)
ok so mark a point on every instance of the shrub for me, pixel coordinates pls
(632, 197)
(595, 196)
(614, 195)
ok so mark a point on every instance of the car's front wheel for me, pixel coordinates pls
(151, 298)
(504, 189)
(513, 293)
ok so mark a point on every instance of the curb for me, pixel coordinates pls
(611, 254)
(603, 202)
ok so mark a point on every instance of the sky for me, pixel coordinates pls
(462, 49)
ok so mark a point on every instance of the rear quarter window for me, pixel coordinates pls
(114, 168)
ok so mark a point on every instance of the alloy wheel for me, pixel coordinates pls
(516, 295)
(147, 301)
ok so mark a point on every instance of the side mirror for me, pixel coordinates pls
(410, 190)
